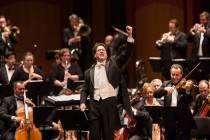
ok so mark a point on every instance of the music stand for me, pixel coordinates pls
(6, 90)
(155, 113)
(37, 89)
(40, 119)
(205, 67)
(155, 63)
(41, 114)
(50, 54)
(74, 120)
(177, 116)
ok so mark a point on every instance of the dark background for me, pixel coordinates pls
(42, 23)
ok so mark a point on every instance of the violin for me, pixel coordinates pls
(28, 131)
(185, 84)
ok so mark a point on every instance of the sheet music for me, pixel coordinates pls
(65, 97)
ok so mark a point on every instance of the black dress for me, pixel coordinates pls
(57, 73)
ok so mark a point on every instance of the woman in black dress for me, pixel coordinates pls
(28, 73)
(65, 74)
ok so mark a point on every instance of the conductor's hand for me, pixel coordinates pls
(129, 30)
(82, 107)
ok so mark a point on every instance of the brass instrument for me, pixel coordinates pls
(196, 28)
(166, 37)
(83, 29)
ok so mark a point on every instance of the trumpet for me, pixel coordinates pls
(196, 28)
(166, 37)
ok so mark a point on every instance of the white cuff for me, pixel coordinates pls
(130, 40)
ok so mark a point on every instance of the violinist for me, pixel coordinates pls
(175, 97)
(8, 110)
(202, 97)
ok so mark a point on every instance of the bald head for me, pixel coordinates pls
(203, 88)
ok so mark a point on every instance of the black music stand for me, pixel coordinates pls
(50, 54)
(170, 117)
(74, 120)
(37, 89)
(205, 68)
(174, 117)
(155, 113)
(40, 119)
(6, 90)
(155, 63)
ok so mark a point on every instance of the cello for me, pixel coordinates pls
(28, 131)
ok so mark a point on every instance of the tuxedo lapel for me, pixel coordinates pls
(92, 69)
(107, 67)
(4, 72)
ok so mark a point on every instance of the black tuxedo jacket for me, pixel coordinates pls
(4, 76)
(7, 110)
(174, 50)
(183, 99)
(114, 77)
(205, 45)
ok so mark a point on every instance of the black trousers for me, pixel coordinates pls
(104, 118)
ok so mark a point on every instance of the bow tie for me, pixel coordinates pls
(12, 68)
(98, 64)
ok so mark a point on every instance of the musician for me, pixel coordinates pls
(176, 97)
(102, 82)
(201, 97)
(65, 73)
(172, 45)
(7, 71)
(78, 41)
(8, 110)
(200, 35)
(3, 24)
(27, 71)
(156, 83)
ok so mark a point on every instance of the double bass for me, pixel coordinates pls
(28, 131)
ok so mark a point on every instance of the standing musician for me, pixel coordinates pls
(202, 98)
(8, 111)
(65, 74)
(3, 34)
(106, 86)
(172, 45)
(200, 35)
(76, 38)
(176, 97)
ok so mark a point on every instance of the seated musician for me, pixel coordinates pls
(27, 71)
(201, 98)
(66, 73)
(175, 97)
(143, 129)
(8, 110)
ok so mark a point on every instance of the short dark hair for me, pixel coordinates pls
(205, 14)
(9, 53)
(177, 66)
(175, 22)
(96, 46)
